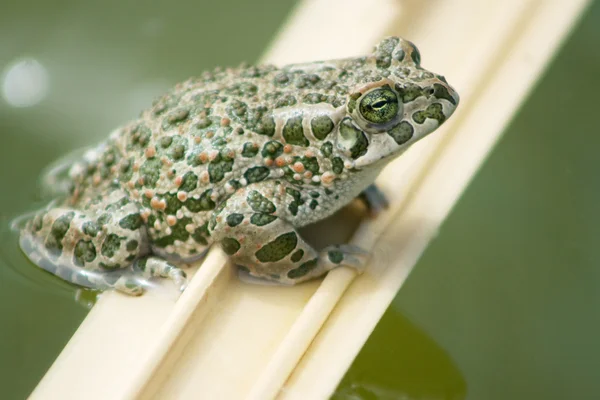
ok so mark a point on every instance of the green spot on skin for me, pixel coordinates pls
(218, 167)
(57, 233)
(111, 245)
(327, 149)
(266, 126)
(200, 234)
(230, 246)
(297, 255)
(150, 171)
(166, 141)
(310, 163)
(131, 245)
(189, 182)
(178, 232)
(313, 204)
(441, 92)
(256, 174)
(409, 92)
(337, 165)
(321, 126)
(260, 203)
(131, 222)
(84, 252)
(272, 149)
(433, 111)
(90, 228)
(293, 132)
(303, 269)
(203, 203)
(234, 219)
(278, 248)
(402, 132)
(335, 256)
(360, 147)
(260, 219)
(293, 207)
(173, 203)
(249, 150)
(176, 116)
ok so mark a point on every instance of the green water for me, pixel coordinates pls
(502, 306)
(510, 289)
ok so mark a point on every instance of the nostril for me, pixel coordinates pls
(430, 91)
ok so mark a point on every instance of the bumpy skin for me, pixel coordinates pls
(240, 157)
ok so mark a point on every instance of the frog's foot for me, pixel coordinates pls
(374, 199)
(347, 255)
(157, 267)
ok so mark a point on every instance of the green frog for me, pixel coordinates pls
(242, 157)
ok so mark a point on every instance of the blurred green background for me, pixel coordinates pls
(503, 305)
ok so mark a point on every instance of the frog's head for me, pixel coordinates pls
(394, 104)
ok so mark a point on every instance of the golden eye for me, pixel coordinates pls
(379, 105)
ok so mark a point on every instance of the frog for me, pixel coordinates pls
(243, 158)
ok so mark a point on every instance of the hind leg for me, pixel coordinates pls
(95, 248)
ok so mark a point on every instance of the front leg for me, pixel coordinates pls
(255, 237)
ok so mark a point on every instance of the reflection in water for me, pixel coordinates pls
(400, 362)
(24, 82)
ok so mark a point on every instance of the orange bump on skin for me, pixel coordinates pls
(96, 180)
(150, 151)
(309, 153)
(130, 184)
(197, 139)
(189, 228)
(210, 134)
(280, 162)
(327, 177)
(136, 167)
(113, 169)
(268, 162)
(225, 122)
(182, 196)
(298, 167)
(287, 148)
(242, 239)
(203, 157)
(178, 180)
(171, 220)
(308, 174)
(204, 177)
(158, 204)
(140, 180)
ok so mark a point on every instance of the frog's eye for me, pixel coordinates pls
(379, 105)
